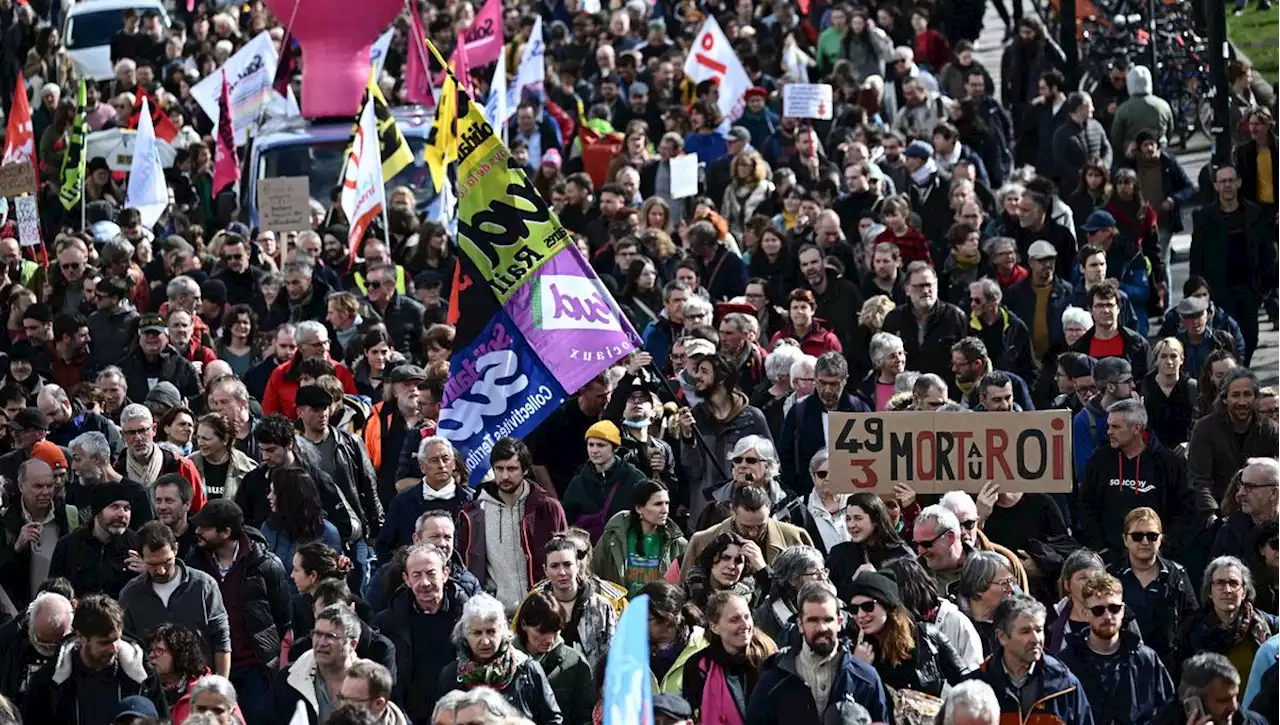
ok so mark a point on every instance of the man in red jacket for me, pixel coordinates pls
(282, 386)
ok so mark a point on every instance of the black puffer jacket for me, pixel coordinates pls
(403, 318)
(933, 664)
(93, 567)
(264, 595)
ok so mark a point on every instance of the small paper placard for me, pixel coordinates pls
(807, 100)
(284, 204)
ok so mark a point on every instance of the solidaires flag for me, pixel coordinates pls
(71, 176)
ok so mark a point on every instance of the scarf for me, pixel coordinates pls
(145, 472)
(497, 673)
(967, 260)
(920, 176)
(444, 494)
(1245, 626)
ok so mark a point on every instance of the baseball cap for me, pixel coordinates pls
(220, 513)
(672, 706)
(698, 346)
(738, 133)
(1098, 220)
(918, 150)
(1193, 306)
(151, 323)
(1041, 249)
(29, 419)
(1112, 370)
(133, 706)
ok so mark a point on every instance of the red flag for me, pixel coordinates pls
(19, 139)
(226, 169)
(417, 75)
(165, 130)
(287, 67)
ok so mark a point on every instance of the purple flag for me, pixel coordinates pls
(571, 321)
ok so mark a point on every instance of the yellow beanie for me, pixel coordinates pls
(605, 431)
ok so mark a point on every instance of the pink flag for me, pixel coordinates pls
(226, 169)
(461, 65)
(417, 78)
(484, 37)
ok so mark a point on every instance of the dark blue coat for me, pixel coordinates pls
(725, 277)
(1062, 699)
(1176, 185)
(1128, 687)
(403, 512)
(781, 695)
(802, 437)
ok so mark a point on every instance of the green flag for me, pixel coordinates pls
(73, 162)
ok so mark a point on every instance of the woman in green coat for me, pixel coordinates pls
(639, 546)
(537, 627)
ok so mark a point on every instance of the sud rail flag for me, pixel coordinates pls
(363, 192)
(71, 176)
(534, 323)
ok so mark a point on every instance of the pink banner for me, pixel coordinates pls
(461, 63)
(484, 37)
(417, 81)
(226, 169)
(335, 42)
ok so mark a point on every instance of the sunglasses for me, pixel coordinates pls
(233, 257)
(749, 460)
(1102, 609)
(821, 475)
(374, 284)
(928, 543)
(969, 525)
(1139, 536)
(867, 607)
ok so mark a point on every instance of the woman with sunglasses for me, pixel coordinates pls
(719, 679)
(722, 566)
(1157, 591)
(986, 580)
(873, 541)
(919, 594)
(909, 655)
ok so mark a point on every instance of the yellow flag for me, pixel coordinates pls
(442, 149)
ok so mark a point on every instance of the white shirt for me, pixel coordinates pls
(164, 591)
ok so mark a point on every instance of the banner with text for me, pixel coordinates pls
(940, 452)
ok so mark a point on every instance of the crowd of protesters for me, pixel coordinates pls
(226, 499)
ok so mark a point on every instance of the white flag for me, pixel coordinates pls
(378, 52)
(532, 71)
(712, 57)
(363, 193)
(252, 71)
(495, 106)
(147, 191)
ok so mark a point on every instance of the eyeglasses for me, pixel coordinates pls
(351, 700)
(1006, 584)
(1102, 609)
(1274, 544)
(71, 265)
(821, 475)
(750, 532)
(749, 460)
(1247, 486)
(134, 433)
(867, 607)
(376, 284)
(1139, 536)
(1229, 585)
(322, 636)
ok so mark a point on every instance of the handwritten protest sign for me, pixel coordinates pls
(807, 100)
(17, 179)
(940, 452)
(28, 217)
(284, 204)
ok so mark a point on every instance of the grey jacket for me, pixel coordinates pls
(196, 604)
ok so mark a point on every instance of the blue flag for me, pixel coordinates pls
(628, 693)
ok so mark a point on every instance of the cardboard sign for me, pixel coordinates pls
(17, 179)
(807, 100)
(284, 204)
(940, 452)
(684, 176)
(28, 219)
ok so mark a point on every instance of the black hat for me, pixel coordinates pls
(106, 493)
(38, 311)
(313, 396)
(1077, 367)
(429, 278)
(878, 586)
(407, 373)
(98, 163)
(29, 419)
(152, 323)
(25, 352)
(219, 514)
(214, 290)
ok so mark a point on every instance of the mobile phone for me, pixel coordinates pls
(1194, 708)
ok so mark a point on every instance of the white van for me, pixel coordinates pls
(89, 27)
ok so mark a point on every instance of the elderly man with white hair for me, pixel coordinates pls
(966, 510)
(282, 386)
(440, 489)
(772, 401)
(144, 461)
(91, 461)
(32, 642)
(971, 702)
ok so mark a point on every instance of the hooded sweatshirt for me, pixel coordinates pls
(1143, 111)
(506, 572)
(1115, 484)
